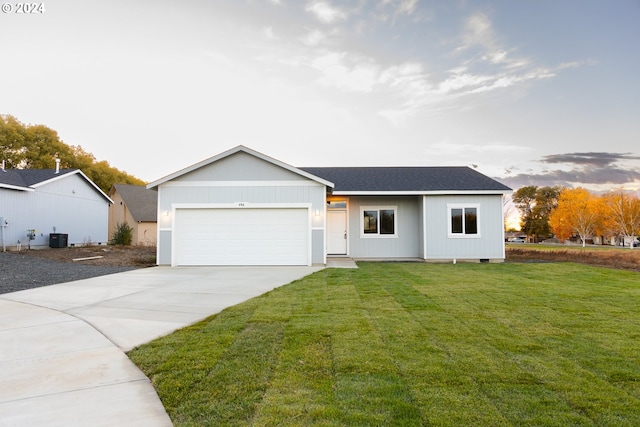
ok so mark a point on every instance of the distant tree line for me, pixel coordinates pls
(568, 212)
(37, 146)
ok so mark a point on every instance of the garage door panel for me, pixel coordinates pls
(274, 236)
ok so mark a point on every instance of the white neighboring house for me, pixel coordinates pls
(242, 207)
(51, 201)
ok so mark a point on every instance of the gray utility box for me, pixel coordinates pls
(58, 240)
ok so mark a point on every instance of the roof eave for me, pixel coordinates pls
(421, 193)
(16, 187)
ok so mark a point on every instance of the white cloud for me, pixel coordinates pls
(457, 81)
(478, 31)
(314, 38)
(405, 89)
(415, 90)
(402, 6)
(269, 34)
(357, 75)
(457, 149)
(326, 12)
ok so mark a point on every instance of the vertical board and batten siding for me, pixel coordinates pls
(405, 245)
(240, 178)
(441, 247)
(69, 204)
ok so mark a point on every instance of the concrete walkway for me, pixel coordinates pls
(62, 360)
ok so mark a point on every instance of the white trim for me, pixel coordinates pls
(16, 187)
(348, 230)
(241, 205)
(239, 148)
(424, 227)
(463, 206)
(421, 193)
(298, 183)
(377, 235)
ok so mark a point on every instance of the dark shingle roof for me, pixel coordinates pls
(29, 177)
(142, 203)
(407, 179)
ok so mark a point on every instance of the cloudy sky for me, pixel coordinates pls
(538, 92)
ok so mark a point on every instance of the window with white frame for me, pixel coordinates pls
(378, 221)
(463, 220)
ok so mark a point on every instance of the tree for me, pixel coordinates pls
(43, 145)
(579, 212)
(623, 214)
(524, 199)
(12, 141)
(37, 147)
(507, 210)
(535, 204)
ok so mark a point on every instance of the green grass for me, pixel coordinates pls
(413, 344)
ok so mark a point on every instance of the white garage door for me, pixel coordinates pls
(276, 236)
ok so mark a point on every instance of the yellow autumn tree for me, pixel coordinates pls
(578, 212)
(622, 211)
(37, 146)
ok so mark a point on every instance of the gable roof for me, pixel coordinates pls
(408, 180)
(239, 148)
(31, 179)
(141, 202)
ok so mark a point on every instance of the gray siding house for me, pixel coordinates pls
(242, 207)
(59, 201)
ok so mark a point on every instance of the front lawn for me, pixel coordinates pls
(413, 344)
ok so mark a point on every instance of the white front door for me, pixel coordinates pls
(336, 232)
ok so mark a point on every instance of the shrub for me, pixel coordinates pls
(123, 234)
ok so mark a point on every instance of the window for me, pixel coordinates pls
(378, 221)
(464, 220)
(337, 204)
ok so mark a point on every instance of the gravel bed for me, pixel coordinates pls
(18, 272)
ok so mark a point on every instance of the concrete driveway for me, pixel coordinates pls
(62, 359)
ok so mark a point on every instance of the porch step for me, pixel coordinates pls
(341, 262)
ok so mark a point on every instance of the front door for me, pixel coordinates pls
(336, 232)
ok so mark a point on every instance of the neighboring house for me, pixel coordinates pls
(59, 201)
(242, 207)
(137, 206)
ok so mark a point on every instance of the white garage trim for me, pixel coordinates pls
(300, 212)
(290, 183)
